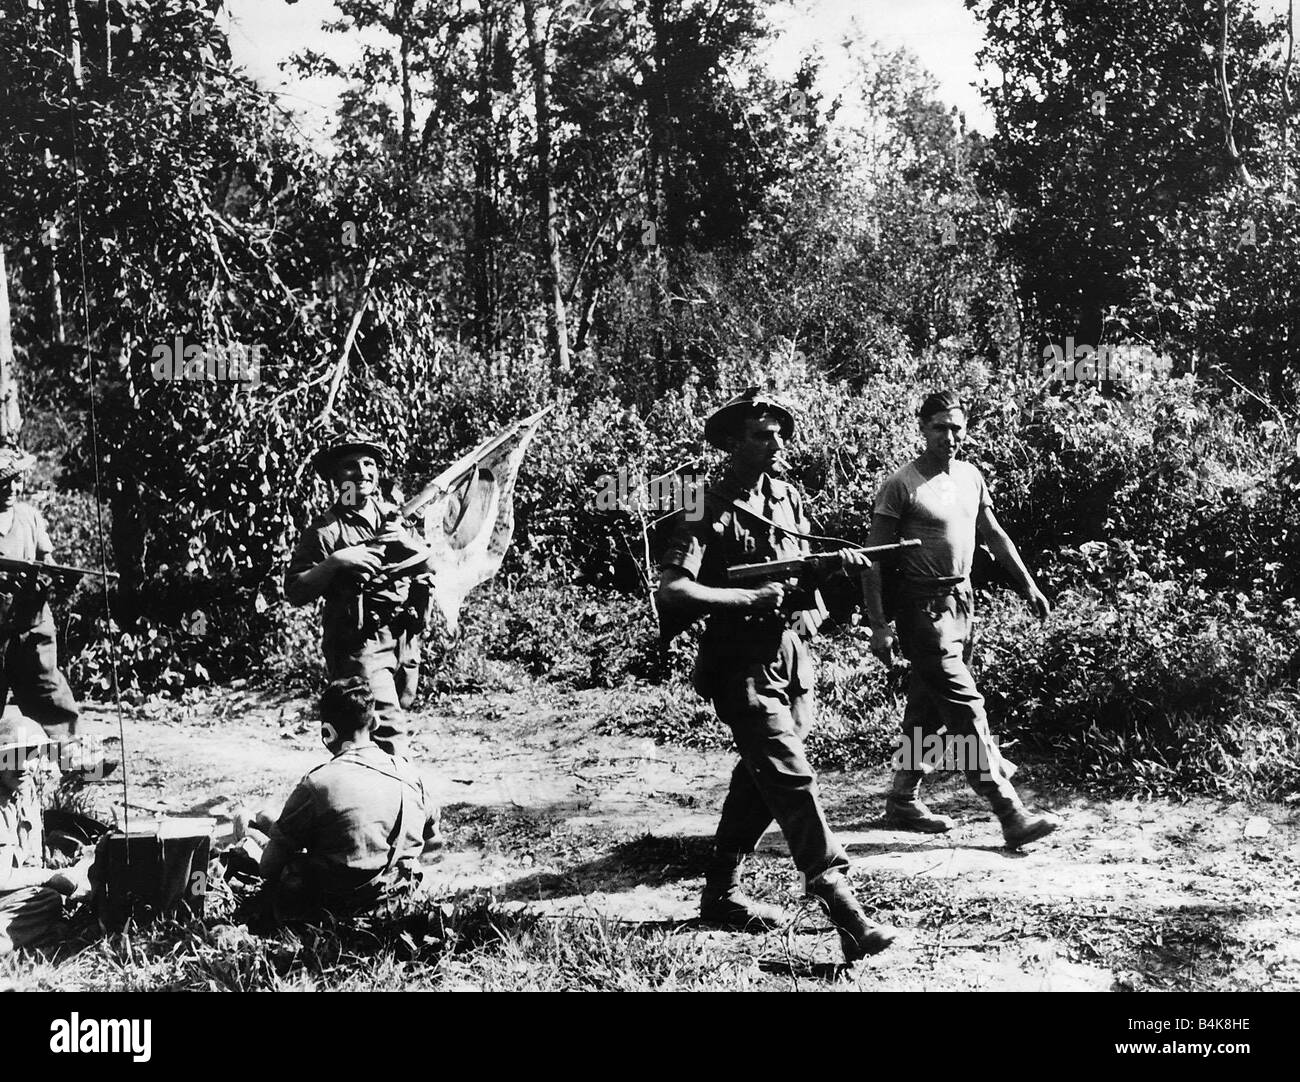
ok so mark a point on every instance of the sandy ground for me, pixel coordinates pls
(550, 815)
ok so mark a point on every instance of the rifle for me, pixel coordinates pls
(22, 596)
(12, 563)
(776, 570)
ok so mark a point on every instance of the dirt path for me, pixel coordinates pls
(552, 816)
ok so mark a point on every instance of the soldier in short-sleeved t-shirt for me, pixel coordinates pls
(32, 896)
(943, 502)
(370, 626)
(942, 513)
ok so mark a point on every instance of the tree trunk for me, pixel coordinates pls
(658, 117)
(403, 18)
(483, 239)
(11, 420)
(1286, 98)
(548, 235)
(74, 43)
(1225, 93)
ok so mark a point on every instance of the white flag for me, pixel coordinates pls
(471, 518)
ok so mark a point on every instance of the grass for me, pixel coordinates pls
(476, 940)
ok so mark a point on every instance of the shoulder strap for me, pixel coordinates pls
(406, 782)
(742, 507)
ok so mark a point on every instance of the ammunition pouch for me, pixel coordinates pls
(409, 617)
(419, 603)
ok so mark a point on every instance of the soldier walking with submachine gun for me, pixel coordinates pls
(755, 667)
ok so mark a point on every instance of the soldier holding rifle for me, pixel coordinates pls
(30, 662)
(754, 666)
(372, 618)
(942, 501)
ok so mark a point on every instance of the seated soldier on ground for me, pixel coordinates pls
(32, 895)
(356, 828)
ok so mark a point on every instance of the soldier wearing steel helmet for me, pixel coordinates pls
(32, 896)
(755, 667)
(371, 623)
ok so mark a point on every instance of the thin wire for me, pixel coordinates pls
(94, 445)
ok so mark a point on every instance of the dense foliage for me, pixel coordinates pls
(612, 207)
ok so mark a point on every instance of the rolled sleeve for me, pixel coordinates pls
(44, 547)
(310, 550)
(686, 547)
(21, 840)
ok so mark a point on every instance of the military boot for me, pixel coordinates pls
(724, 903)
(859, 937)
(904, 810)
(1020, 828)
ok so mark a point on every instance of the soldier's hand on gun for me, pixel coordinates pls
(882, 644)
(769, 596)
(854, 561)
(1041, 606)
(362, 559)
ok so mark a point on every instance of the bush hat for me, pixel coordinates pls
(347, 443)
(724, 422)
(14, 463)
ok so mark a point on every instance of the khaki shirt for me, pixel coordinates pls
(21, 597)
(341, 527)
(27, 537)
(344, 813)
(22, 838)
(724, 537)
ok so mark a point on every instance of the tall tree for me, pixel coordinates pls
(1110, 116)
(548, 240)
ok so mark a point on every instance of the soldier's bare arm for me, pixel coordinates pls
(678, 589)
(884, 531)
(1005, 552)
(306, 586)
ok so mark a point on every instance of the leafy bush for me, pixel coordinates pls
(1152, 686)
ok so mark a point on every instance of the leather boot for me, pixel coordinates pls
(904, 810)
(724, 903)
(1020, 828)
(859, 936)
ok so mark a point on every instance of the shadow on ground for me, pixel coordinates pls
(647, 861)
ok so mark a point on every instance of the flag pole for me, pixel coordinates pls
(458, 469)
